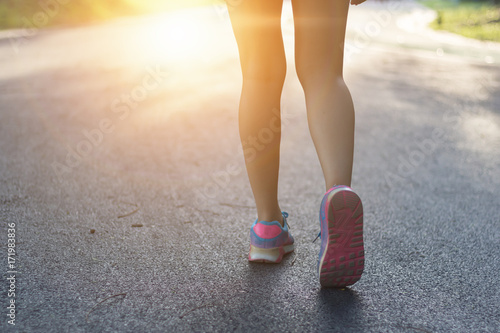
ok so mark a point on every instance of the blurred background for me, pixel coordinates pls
(73, 12)
(471, 18)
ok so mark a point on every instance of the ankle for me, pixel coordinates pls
(331, 185)
(270, 217)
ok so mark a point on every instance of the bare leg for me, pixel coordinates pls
(319, 41)
(257, 28)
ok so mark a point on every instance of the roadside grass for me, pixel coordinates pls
(31, 13)
(472, 19)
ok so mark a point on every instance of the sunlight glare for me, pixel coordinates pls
(183, 33)
(176, 36)
(482, 132)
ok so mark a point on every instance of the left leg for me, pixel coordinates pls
(257, 28)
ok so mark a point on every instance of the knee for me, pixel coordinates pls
(313, 75)
(264, 67)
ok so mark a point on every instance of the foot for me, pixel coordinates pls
(270, 241)
(342, 256)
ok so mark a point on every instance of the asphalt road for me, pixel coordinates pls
(121, 170)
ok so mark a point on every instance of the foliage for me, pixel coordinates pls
(42, 13)
(474, 19)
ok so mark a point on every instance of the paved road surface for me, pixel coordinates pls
(127, 123)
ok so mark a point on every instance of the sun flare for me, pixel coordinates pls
(183, 33)
(175, 36)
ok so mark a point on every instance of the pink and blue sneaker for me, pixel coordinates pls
(269, 241)
(342, 256)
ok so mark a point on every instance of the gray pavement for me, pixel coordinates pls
(120, 167)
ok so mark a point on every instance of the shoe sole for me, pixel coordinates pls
(342, 255)
(272, 256)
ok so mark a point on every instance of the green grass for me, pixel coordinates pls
(479, 20)
(24, 14)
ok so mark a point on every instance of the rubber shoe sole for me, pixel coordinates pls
(342, 255)
(273, 256)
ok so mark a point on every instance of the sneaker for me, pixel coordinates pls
(269, 241)
(342, 256)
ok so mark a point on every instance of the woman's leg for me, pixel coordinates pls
(257, 28)
(319, 47)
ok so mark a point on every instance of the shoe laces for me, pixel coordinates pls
(319, 236)
(285, 222)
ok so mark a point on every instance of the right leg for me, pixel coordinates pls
(319, 47)
(257, 28)
(320, 30)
